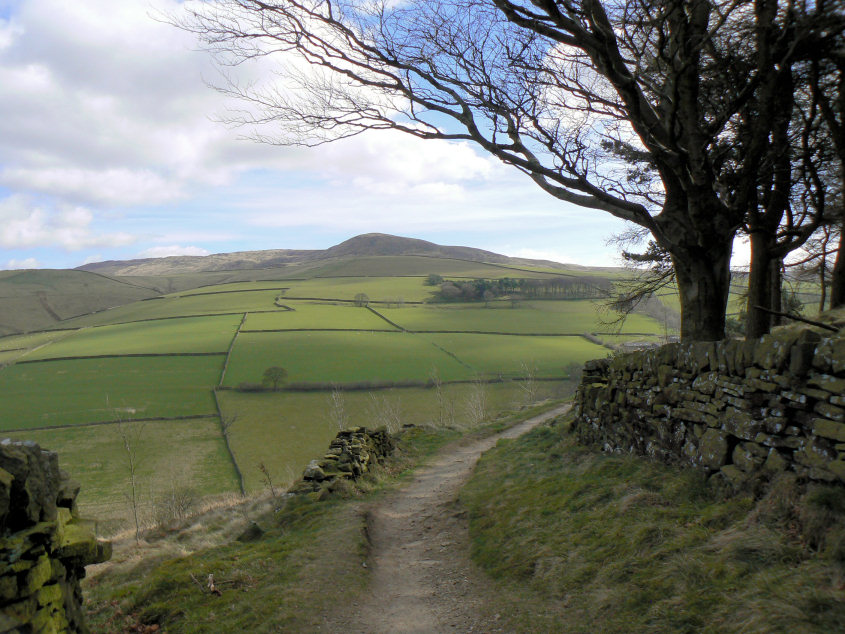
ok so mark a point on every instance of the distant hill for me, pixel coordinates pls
(33, 300)
(370, 244)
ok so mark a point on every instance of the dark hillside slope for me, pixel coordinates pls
(38, 299)
(370, 244)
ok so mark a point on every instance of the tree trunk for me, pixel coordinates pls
(837, 282)
(776, 282)
(704, 278)
(759, 322)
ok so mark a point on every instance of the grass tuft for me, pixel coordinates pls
(581, 541)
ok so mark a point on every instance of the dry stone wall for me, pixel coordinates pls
(44, 545)
(739, 409)
(352, 453)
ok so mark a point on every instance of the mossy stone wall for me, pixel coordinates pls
(44, 545)
(737, 409)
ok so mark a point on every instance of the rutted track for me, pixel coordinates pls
(423, 580)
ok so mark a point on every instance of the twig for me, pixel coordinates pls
(806, 321)
(199, 585)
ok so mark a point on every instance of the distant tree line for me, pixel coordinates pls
(523, 288)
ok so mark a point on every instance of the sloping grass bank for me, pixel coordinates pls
(586, 542)
(309, 563)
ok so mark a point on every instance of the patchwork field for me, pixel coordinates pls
(573, 317)
(172, 336)
(183, 456)
(306, 315)
(80, 391)
(159, 368)
(340, 357)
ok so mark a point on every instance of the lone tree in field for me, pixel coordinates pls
(361, 300)
(663, 114)
(275, 376)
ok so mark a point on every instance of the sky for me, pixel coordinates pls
(111, 147)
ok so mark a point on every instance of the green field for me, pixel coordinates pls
(232, 287)
(182, 454)
(196, 334)
(506, 355)
(537, 317)
(306, 315)
(17, 342)
(340, 357)
(182, 306)
(46, 381)
(287, 431)
(92, 390)
(382, 289)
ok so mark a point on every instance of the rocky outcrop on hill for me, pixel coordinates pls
(352, 453)
(735, 408)
(44, 545)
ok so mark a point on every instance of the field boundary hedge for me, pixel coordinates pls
(363, 386)
(352, 301)
(121, 356)
(245, 290)
(100, 423)
(229, 351)
(224, 432)
(380, 316)
(317, 330)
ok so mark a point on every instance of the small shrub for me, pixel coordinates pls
(250, 386)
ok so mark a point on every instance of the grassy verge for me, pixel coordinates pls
(307, 564)
(585, 542)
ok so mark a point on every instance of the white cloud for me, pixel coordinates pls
(26, 223)
(27, 263)
(540, 254)
(174, 249)
(107, 187)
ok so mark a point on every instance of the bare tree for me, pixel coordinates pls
(337, 409)
(476, 404)
(265, 476)
(528, 384)
(445, 405)
(130, 436)
(385, 412)
(636, 108)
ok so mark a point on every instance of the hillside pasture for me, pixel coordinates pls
(234, 287)
(32, 340)
(39, 299)
(537, 317)
(64, 393)
(172, 306)
(419, 265)
(339, 357)
(170, 455)
(504, 355)
(381, 289)
(286, 430)
(307, 315)
(195, 334)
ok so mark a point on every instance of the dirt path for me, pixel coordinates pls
(423, 580)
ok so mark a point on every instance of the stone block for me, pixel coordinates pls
(838, 468)
(828, 383)
(713, 449)
(816, 452)
(733, 474)
(830, 411)
(746, 459)
(775, 462)
(37, 576)
(8, 588)
(829, 429)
